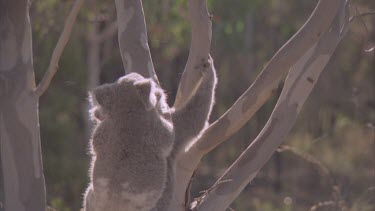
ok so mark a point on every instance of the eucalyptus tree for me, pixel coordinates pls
(22, 179)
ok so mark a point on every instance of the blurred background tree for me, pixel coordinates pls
(328, 162)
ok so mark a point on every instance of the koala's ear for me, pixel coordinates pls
(102, 94)
(145, 91)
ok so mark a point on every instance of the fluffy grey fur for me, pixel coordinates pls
(133, 160)
(130, 144)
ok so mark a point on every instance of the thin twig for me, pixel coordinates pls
(204, 193)
(322, 204)
(61, 43)
(188, 191)
(307, 157)
(361, 15)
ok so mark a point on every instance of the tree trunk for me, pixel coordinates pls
(21, 160)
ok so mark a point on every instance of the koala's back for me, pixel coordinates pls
(130, 145)
(129, 164)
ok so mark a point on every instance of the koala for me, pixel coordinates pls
(137, 138)
(133, 137)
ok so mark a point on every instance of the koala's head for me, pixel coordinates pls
(131, 93)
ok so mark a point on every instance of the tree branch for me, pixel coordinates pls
(132, 35)
(298, 85)
(61, 43)
(267, 82)
(199, 49)
(255, 97)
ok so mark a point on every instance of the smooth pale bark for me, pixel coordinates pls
(21, 159)
(132, 36)
(300, 81)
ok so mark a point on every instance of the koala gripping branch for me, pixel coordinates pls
(257, 94)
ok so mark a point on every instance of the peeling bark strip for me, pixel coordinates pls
(22, 171)
(132, 35)
(295, 92)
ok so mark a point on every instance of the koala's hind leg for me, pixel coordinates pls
(97, 199)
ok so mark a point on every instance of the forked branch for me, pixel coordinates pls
(298, 85)
(60, 46)
(267, 82)
(132, 35)
(255, 97)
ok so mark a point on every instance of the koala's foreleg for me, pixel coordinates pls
(192, 117)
